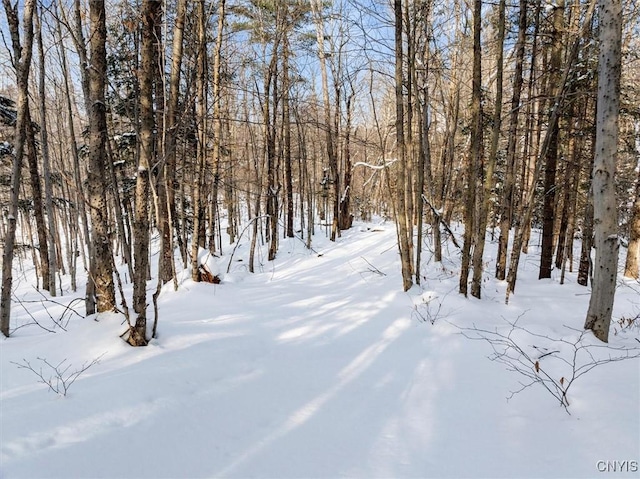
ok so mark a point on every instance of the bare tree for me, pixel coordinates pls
(474, 168)
(78, 197)
(506, 213)
(46, 164)
(201, 154)
(528, 203)
(551, 153)
(217, 137)
(171, 134)
(487, 177)
(330, 141)
(22, 53)
(403, 219)
(149, 70)
(36, 199)
(101, 270)
(604, 170)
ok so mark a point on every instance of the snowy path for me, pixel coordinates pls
(316, 367)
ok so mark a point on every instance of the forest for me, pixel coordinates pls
(124, 120)
(329, 203)
(287, 113)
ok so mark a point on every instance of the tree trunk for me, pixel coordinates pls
(286, 125)
(489, 181)
(217, 136)
(604, 170)
(75, 167)
(46, 168)
(533, 126)
(551, 156)
(125, 239)
(150, 18)
(472, 223)
(448, 177)
(22, 56)
(201, 153)
(408, 120)
(273, 186)
(424, 173)
(345, 219)
(331, 148)
(172, 123)
(101, 259)
(85, 78)
(400, 191)
(81, 48)
(38, 210)
(217, 113)
(585, 267)
(506, 210)
(568, 192)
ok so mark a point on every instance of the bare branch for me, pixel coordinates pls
(577, 356)
(57, 376)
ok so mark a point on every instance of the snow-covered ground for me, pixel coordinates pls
(319, 366)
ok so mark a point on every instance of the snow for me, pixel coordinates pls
(387, 164)
(550, 6)
(320, 366)
(5, 148)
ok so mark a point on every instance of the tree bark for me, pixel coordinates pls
(149, 70)
(400, 182)
(345, 219)
(604, 169)
(286, 125)
(22, 52)
(332, 151)
(172, 124)
(79, 197)
(38, 210)
(81, 48)
(101, 257)
(506, 210)
(201, 152)
(46, 166)
(585, 267)
(273, 185)
(214, 225)
(551, 156)
(472, 221)
(486, 180)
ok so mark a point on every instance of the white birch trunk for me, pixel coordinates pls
(605, 267)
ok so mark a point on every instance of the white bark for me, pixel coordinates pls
(605, 212)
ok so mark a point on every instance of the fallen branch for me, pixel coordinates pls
(373, 268)
(441, 220)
